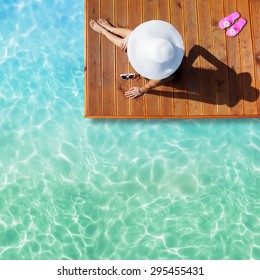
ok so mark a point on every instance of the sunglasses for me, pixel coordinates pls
(127, 76)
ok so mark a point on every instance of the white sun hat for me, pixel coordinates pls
(155, 49)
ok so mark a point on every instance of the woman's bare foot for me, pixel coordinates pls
(96, 27)
(103, 22)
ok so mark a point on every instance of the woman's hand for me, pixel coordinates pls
(133, 93)
(123, 45)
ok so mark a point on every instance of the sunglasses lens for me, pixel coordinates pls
(123, 77)
(131, 76)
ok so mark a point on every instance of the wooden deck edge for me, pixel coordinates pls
(176, 117)
(85, 58)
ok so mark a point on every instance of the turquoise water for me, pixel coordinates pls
(72, 188)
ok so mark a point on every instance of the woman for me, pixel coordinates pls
(155, 50)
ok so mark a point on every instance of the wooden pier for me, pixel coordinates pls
(218, 78)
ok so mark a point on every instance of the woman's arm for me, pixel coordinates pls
(151, 85)
(138, 91)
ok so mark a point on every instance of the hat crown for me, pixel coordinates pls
(159, 50)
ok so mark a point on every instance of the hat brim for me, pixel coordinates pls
(136, 49)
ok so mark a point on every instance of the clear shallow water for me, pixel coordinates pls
(72, 188)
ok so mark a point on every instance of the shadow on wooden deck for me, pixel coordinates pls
(202, 89)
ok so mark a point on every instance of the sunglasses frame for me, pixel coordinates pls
(130, 76)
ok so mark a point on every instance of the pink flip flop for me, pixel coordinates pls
(228, 20)
(236, 28)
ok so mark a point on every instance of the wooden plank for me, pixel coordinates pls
(163, 10)
(248, 74)
(166, 92)
(193, 60)
(94, 64)
(108, 63)
(152, 100)
(135, 9)
(180, 102)
(121, 20)
(255, 23)
(234, 67)
(221, 74)
(208, 96)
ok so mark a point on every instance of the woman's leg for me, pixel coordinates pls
(111, 37)
(123, 32)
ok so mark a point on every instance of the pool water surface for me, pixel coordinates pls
(72, 188)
